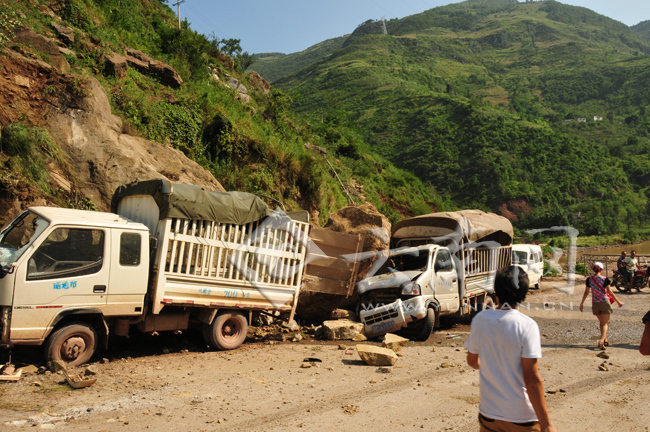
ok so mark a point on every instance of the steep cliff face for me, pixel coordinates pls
(95, 154)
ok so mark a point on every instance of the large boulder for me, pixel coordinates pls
(376, 356)
(44, 45)
(147, 65)
(342, 329)
(103, 157)
(363, 219)
(116, 66)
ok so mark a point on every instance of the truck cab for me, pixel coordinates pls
(422, 278)
(531, 260)
(63, 266)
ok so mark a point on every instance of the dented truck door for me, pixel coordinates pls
(445, 281)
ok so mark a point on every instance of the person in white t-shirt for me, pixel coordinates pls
(504, 346)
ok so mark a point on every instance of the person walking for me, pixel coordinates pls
(601, 293)
(504, 346)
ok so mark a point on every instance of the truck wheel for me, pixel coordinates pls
(227, 331)
(73, 344)
(421, 329)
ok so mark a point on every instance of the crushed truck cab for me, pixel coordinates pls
(440, 264)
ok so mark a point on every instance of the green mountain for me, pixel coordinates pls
(643, 29)
(67, 56)
(536, 110)
(273, 66)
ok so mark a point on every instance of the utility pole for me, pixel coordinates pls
(178, 11)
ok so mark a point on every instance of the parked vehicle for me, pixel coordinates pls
(640, 280)
(530, 258)
(169, 255)
(441, 264)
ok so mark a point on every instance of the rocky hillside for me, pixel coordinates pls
(94, 94)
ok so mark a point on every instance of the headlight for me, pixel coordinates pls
(410, 288)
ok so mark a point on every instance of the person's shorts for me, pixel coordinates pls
(491, 425)
(601, 308)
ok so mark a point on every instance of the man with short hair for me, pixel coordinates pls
(504, 346)
(620, 264)
(631, 264)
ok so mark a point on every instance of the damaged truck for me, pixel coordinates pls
(439, 264)
(168, 256)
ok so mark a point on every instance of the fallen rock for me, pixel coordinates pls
(66, 34)
(56, 366)
(359, 338)
(394, 342)
(291, 325)
(297, 337)
(341, 329)
(115, 65)
(22, 81)
(305, 365)
(376, 356)
(603, 367)
(30, 369)
(90, 370)
(343, 314)
(385, 369)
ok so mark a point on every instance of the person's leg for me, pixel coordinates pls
(603, 320)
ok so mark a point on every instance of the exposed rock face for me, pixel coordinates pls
(342, 329)
(116, 65)
(45, 45)
(227, 61)
(259, 82)
(145, 64)
(103, 157)
(376, 356)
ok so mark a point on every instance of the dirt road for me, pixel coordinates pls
(171, 383)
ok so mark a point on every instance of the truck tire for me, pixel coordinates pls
(73, 344)
(227, 331)
(421, 329)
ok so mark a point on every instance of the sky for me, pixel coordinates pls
(292, 25)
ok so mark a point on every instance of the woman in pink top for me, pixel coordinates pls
(601, 292)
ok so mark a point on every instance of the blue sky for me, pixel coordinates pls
(293, 25)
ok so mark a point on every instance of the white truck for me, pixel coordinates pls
(440, 264)
(169, 255)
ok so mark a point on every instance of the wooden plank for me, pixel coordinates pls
(341, 271)
(322, 285)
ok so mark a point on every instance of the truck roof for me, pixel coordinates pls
(60, 215)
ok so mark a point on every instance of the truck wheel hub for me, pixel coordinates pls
(73, 347)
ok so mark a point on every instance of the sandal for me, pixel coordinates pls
(601, 347)
(606, 343)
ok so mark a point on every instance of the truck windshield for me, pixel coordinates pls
(519, 257)
(17, 237)
(410, 260)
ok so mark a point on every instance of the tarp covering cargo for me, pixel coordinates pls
(470, 225)
(177, 200)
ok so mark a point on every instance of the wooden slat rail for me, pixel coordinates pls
(271, 255)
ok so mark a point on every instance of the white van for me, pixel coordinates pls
(529, 257)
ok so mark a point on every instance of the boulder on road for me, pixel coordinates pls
(394, 342)
(376, 356)
(342, 329)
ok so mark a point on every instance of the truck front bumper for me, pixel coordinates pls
(393, 316)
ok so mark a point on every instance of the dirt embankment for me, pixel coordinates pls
(98, 155)
(155, 382)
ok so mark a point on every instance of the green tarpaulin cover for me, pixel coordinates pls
(177, 200)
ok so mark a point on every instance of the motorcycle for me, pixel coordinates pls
(640, 279)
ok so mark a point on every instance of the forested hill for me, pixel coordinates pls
(536, 110)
